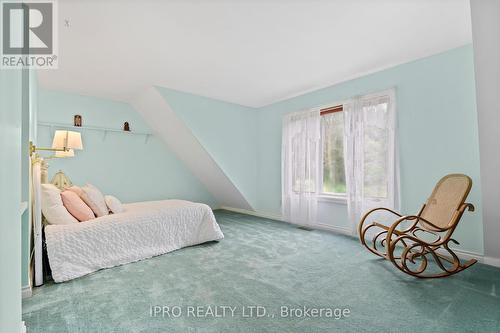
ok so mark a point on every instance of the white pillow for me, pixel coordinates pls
(95, 200)
(53, 208)
(114, 205)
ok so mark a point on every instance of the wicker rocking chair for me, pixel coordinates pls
(414, 243)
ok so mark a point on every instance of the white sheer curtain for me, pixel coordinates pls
(300, 166)
(370, 154)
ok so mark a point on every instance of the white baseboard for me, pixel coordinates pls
(491, 261)
(278, 217)
(462, 254)
(270, 216)
(339, 230)
(26, 291)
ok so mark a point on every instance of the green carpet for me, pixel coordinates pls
(270, 264)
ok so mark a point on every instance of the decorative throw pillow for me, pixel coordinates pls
(95, 200)
(53, 208)
(77, 189)
(76, 207)
(114, 205)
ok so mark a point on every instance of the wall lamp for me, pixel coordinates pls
(64, 144)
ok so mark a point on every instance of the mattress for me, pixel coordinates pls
(143, 230)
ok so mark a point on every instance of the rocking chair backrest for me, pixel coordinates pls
(446, 198)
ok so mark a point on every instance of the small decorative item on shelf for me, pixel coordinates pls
(126, 127)
(77, 120)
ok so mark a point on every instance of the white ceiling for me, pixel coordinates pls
(247, 52)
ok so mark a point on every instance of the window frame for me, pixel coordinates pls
(340, 198)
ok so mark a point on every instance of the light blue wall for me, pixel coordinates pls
(10, 199)
(437, 133)
(227, 131)
(120, 164)
(28, 133)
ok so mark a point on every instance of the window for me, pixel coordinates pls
(303, 178)
(375, 149)
(332, 134)
(301, 134)
(375, 154)
(328, 153)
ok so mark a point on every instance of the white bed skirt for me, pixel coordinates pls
(144, 230)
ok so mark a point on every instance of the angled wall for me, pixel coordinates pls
(171, 129)
(228, 132)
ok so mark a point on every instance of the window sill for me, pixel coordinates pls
(338, 199)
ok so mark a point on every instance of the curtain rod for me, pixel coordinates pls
(332, 109)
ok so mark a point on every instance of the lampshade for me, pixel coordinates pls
(67, 140)
(67, 153)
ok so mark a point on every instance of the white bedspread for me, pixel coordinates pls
(143, 230)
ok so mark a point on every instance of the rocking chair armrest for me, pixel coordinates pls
(393, 227)
(470, 207)
(418, 219)
(403, 233)
(363, 219)
(381, 208)
(360, 225)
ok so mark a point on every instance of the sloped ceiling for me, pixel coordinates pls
(228, 133)
(177, 136)
(247, 52)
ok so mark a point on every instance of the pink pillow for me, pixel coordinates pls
(53, 208)
(77, 189)
(76, 207)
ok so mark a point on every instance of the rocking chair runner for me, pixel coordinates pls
(408, 248)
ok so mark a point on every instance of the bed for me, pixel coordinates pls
(143, 230)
